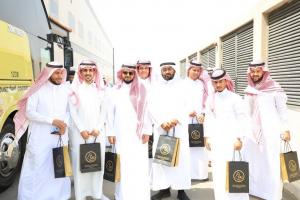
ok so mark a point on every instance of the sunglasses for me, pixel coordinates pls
(88, 70)
(128, 73)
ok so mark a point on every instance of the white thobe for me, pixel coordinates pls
(199, 160)
(87, 116)
(264, 158)
(167, 102)
(223, 126)
(148, 86)
(122, 123)
(37, 179)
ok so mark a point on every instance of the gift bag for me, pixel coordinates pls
(61, 161)
(289, 164)
(237, 176)
(167, 150)
(196, 136)
(112, 166)
(90, 157)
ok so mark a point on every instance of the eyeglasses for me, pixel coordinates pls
(88, 70)
(129, 73)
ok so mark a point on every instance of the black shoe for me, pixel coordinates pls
(161, 194)
(182, 195)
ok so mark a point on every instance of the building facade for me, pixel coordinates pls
(87, 36)
(270, 32)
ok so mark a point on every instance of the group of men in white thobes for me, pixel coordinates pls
(139, 106)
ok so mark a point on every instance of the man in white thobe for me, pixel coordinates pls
(86, 107)
(225, 126)
(266, 101)
(169, 113)
(45, 108)
(197, 88)
(129, 132)
(145, 74)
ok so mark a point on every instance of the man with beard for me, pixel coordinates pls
(129, 129)
(168, 110)
(86, 109)
(44, 109)
(266, 101)
(225, 127)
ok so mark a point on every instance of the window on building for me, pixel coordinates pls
(237, 53)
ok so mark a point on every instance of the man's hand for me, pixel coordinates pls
(145, 139)
(85, 135)
(193, 114)
(112, 139)
(62, 131)
(174, 122)
(95, 133)
(201, 118)
(238, 144)
(286, 136)
(166, 126)
(61, 125)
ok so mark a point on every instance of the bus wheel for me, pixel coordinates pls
(10, 156)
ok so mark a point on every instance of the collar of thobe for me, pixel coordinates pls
(88, 85)
(51, 85)
(252, 90)
(169, 81)
(147, 80)
(193, 81)
(126, 86)
(223, 93)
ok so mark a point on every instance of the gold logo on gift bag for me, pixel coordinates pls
(292, 165)
(165, 149)
(238, 176)
(195, 135)
(90, 157)
(59, 161)
(109, 166)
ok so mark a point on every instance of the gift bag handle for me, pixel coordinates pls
(59, 142)
(193, 120)
(94, 140)
(173, 132)
(287, 147)
(233, 156)
(113, 148)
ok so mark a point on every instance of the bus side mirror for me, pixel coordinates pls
(68, 57)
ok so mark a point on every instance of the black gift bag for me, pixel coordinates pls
(112, 166)
(90, 157)
(289, 164)
(196, 135)
(61, 161)
(237, 176)
(167, 150)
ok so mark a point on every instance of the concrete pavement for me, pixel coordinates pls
(199, 191)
